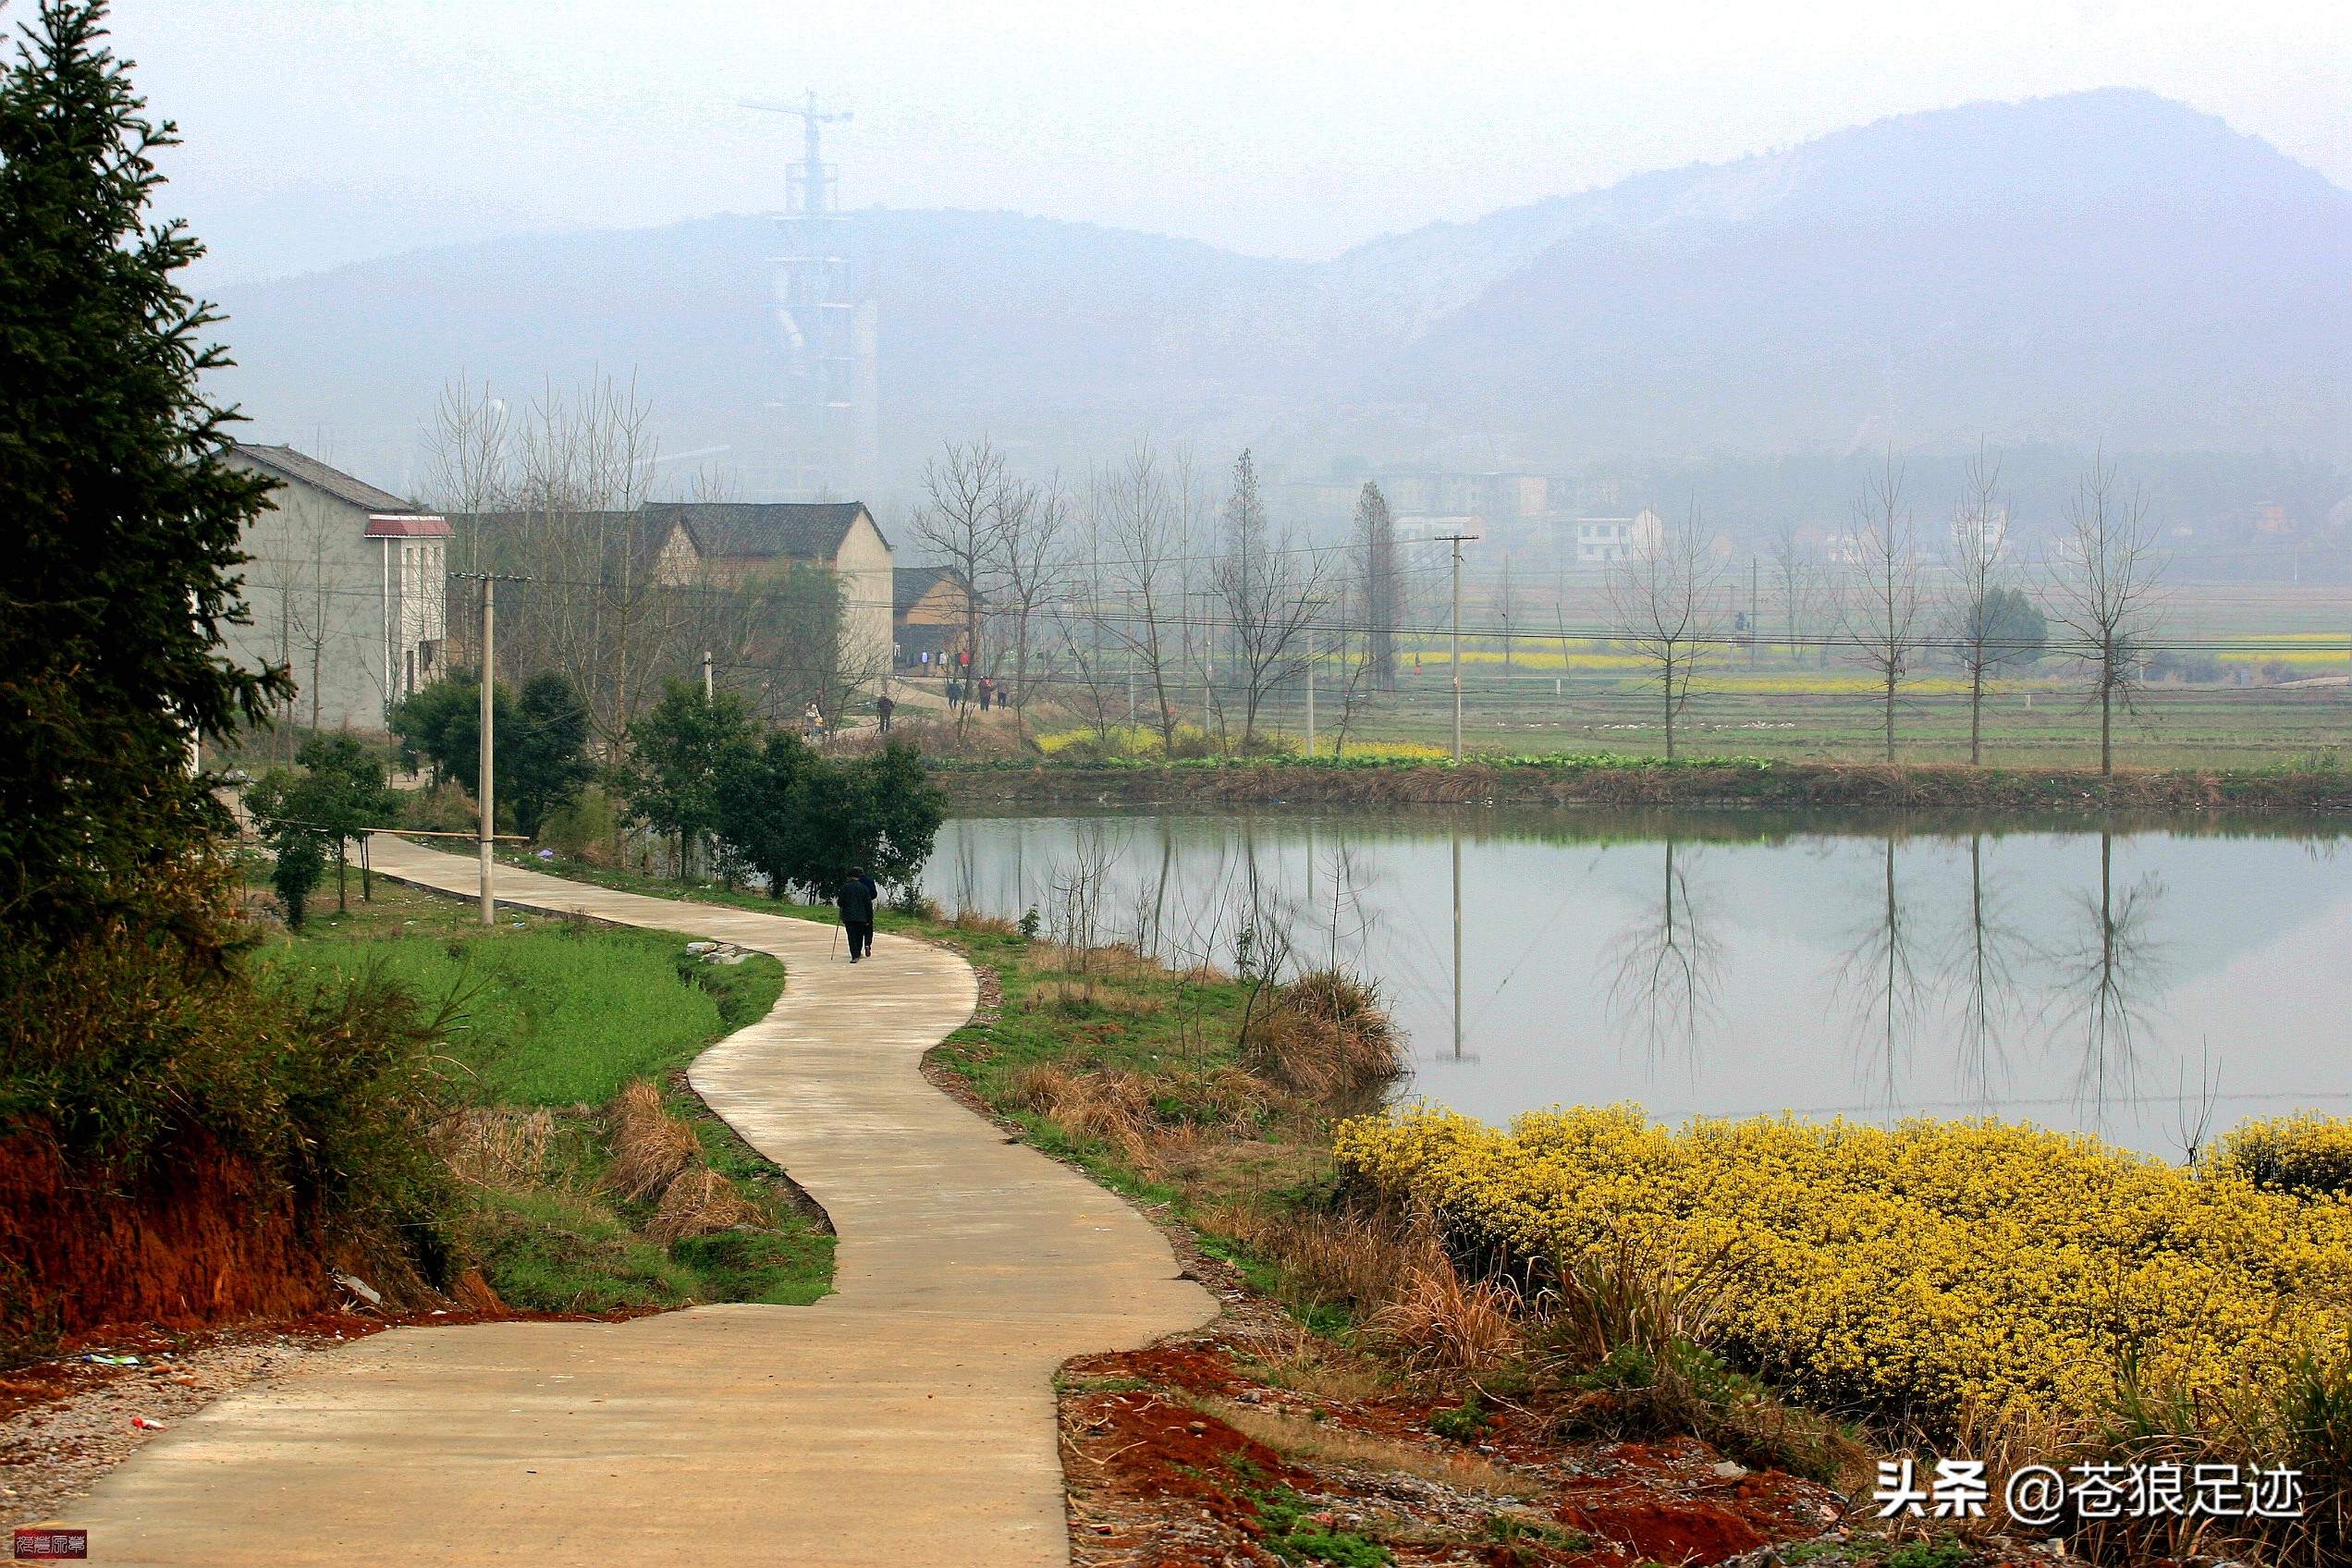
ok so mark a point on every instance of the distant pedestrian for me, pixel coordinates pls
(988, 691)
(856, 901)
(813, 719)
(883, 708)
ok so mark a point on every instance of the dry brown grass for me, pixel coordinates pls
(1343, 1259)
(498, 1147)
(1320, 1440)
(984, 924)
(1112, 960)
(1436, 1322)
(1394, 1273)
(1325, 1036)
(650, 1146)
(1084, 998)
(698, 1203)
(1289, 1355)
(1111, 1106)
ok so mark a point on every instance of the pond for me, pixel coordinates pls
(2154, 984)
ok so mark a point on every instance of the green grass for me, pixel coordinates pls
(544, 1012)
(556, 1013)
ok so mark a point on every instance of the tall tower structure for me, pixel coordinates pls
(828, 435)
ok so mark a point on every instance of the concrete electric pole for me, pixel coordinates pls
(1456, 540)
(486, 832)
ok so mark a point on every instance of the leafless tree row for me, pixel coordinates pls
(1888, 607)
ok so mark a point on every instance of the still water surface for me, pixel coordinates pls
(2147, 984)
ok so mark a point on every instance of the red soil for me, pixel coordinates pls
(198, 1239)
(1156, 1480)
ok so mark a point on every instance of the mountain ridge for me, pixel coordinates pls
(2105, 243)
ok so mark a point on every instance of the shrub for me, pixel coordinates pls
(583, 829)
(1325, 1036)
(1463, 1423)
(1914, 1270)
(2305, 1154)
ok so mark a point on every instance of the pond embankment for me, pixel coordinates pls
(1608, 781)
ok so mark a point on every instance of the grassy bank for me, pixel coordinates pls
(1603, 780)
(586, 1178)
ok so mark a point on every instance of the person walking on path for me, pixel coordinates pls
(856, 899)
(883, 708)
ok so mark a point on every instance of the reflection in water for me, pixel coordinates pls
(1779, 964)
(1985, 976)
(1880, 986)
(2107, 979)
(1663, 970)
(1456, 838)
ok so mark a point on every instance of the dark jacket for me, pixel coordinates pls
(856, 901)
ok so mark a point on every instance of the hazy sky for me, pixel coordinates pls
(323, 130)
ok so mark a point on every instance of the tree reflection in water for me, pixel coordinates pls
(2103, 985)
(1985, 975)
(1665, 970)
(1881, 985)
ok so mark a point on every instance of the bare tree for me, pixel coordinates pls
(1377, 567)
(2106, 592)
(1983, 631)
(1664, 602)
(1033, 537)
(1884, 609)
(1080, 625)
(1196, 573)
(967, 491)
(601, 608)
(1143, 535)
(1796, 581)
(470, 462)
(1270, 589)
(555, 495)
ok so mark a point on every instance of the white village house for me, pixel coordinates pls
(348, 586)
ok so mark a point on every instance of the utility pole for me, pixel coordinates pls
(1310, 693)
(1456, 541)
(484, 797)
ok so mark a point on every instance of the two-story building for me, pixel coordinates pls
(348, 586)
(727, 543)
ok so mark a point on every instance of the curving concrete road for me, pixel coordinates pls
(906, 1419)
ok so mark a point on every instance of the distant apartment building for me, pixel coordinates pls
(1603, 541)
(349, 587)
(1981, 532)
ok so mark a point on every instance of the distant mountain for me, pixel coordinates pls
(2102, 266)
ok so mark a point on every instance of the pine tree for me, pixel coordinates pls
(126, 519)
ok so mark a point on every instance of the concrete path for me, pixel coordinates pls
(906, 1419)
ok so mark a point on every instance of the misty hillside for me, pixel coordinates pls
(2103, 265)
